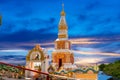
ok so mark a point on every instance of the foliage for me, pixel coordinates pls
(112, 69)
(8, 70)
(101, 67)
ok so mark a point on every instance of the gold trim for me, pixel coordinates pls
(35, 50)
(62, 36)
(63, 27)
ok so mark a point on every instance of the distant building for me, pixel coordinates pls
(37, 59)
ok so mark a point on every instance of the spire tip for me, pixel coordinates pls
(62, 13)
(63, 6)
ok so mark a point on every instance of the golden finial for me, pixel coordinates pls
(37, 46)
(62, 12)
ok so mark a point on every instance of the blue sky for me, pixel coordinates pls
(94, 27)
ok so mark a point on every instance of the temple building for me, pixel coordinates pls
(37, 59)
(62, 66)
(62, 56)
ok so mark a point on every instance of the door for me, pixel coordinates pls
(60, 62)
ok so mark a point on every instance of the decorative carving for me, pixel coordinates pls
(36, 49)
(37, 57)
(62, 27)
(51, 69)
(62, 36)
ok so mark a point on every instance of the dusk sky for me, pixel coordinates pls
(93, 27)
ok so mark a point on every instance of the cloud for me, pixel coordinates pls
(93, 25)
(14, 62)
(94, 60)
(26, 35)
(95, 40)
(81, 56)
(83, 41)
(92, 5)
(12, 50)
(110, 60)
(97, 53)
(85, 61)
(13, 59)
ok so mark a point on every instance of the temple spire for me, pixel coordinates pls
(62, 12)
(62, 56)
(62, 19)
(62, 34)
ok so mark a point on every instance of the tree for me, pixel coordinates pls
(113, 69)
(101, 67)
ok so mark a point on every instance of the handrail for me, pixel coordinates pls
(24, 68)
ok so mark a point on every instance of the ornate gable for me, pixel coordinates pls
(35, 54)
